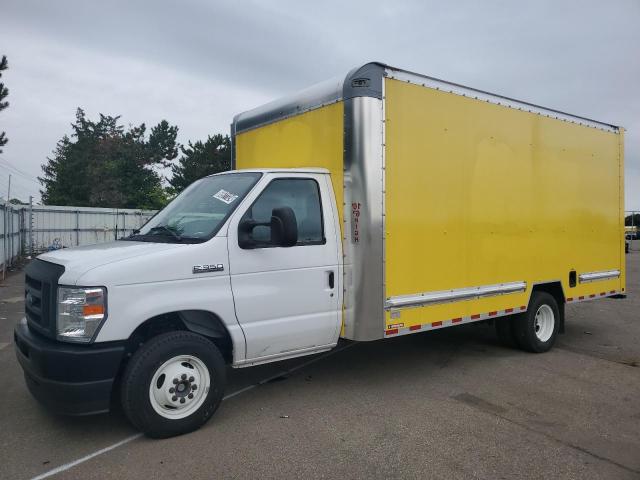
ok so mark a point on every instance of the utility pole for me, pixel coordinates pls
(5, 224)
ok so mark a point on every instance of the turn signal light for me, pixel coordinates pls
(92, 309)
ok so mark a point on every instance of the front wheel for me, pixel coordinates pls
(537, 328)
(173, 384)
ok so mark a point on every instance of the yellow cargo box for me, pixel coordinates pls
(456, 204)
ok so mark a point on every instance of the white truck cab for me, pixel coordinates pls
(381, 204)
(249, 261)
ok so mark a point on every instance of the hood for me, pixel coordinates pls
(80, 260)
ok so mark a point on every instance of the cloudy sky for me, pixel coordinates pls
(197, 63)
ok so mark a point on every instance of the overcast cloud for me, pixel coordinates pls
(197, 63)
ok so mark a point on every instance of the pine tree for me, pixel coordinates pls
(103, 165)
(4, 92)
(199, 160)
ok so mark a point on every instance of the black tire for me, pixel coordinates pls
(504, 331)
(526, 326)
(138, 375)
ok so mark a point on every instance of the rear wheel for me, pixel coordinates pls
(173, 384)
(536, 330)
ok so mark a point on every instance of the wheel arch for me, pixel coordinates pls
(202, 322)
(555, 289)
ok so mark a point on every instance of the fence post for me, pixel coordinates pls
(77, 227)
(7, 236)
(10, 228)
(4, 241)
(21, 235)
(13, 235)
(30, 226)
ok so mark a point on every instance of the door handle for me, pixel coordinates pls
(331, 279)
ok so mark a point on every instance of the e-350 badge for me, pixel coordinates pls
(208, 268)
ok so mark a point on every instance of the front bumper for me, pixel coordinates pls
(66, 378)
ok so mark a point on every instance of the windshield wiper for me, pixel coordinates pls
(164, 228)
(162, 234)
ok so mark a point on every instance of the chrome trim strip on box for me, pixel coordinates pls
(367, 81)
(454, 295)
(315, 96)
(363, 248)
(383, 140)
(595, 276)
(361, 81)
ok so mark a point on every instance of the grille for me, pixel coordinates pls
(34, 296)
(41, 287)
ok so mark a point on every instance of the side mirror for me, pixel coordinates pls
(245, 233)
(283, 229)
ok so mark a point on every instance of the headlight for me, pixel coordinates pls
(81, 311)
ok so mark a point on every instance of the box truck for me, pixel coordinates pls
(381, 204)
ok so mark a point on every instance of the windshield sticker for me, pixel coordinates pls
(225, 196)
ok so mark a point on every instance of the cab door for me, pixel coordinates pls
(287, 298)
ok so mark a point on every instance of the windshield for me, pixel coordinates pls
(199, 211)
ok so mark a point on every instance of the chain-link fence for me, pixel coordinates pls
(10, 235)
(32, 229)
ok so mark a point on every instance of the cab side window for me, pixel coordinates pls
(303, 196)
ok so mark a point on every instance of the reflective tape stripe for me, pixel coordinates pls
(447, 323)
(591, 296)
(476, 317)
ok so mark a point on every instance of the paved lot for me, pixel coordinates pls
(447, 404)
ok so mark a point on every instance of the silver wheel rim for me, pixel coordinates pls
(179, 387)
(544, 323)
